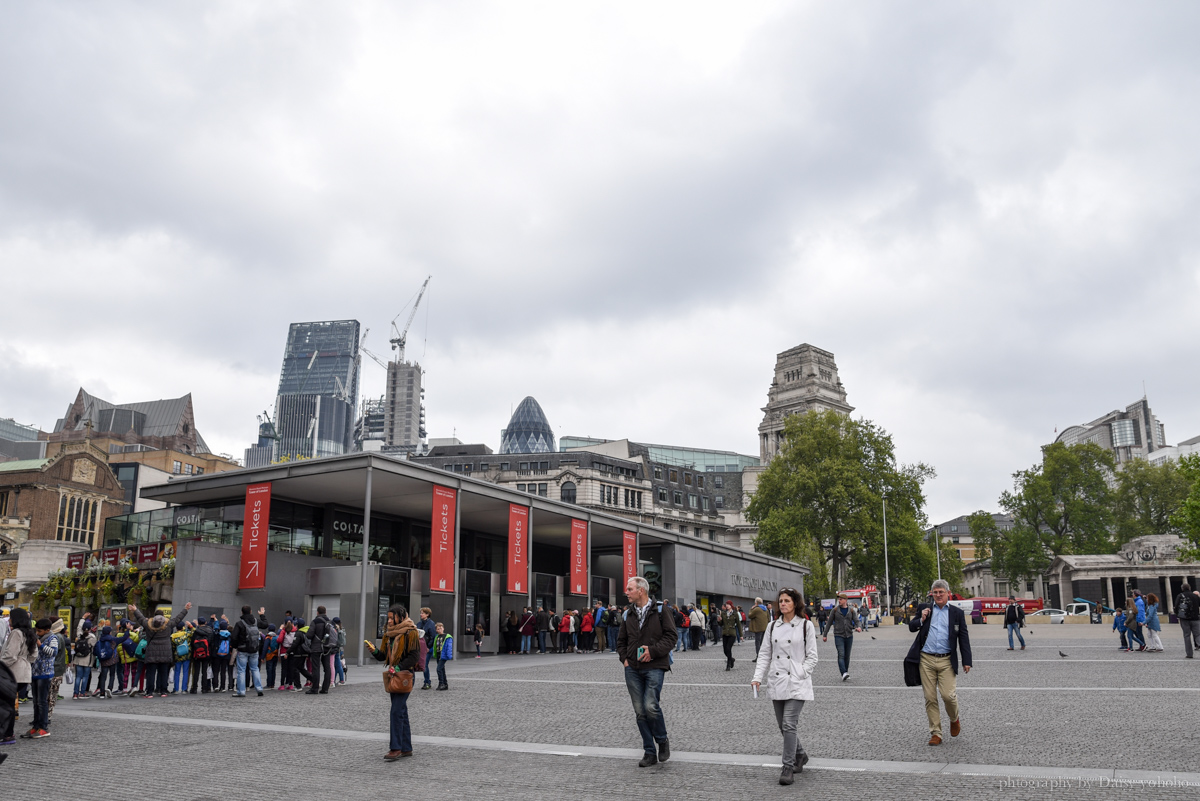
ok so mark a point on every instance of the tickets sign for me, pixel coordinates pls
(629, 540)
(441, 557)
(253, 572)
(518, 548)
(579, 566)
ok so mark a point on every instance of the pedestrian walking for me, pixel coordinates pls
(614, 627)
(479, 641)
(644, 647)
(843, 622)
(728, 624)
(443, 651)
(682, 621)
(1187, 610)
(1014, 619)
(759, 618)
(1135, 616)
(401, 650)
(1153, 625)
(941, 635)
(697, 627)
(600, 627)
(1120, 627)
(786, 663)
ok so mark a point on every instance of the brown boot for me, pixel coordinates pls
(955, 728)
(935, 739)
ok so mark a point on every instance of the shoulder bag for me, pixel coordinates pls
(397, 681)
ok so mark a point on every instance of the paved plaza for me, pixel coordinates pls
(1098, 724)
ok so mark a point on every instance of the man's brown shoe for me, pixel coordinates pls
(955, 728)
(935, 740)
(392, 756)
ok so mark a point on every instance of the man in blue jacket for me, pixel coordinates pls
(943, 633)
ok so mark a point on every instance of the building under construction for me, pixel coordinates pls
(318, 390)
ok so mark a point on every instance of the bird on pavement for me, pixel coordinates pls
(1060, 653)
(872, 636)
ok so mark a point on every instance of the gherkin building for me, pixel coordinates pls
(528, 431)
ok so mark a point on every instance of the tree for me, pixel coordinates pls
(1016, 555)
(1187, 517)
(1065, 501)
(1147, 499)
(825, 489)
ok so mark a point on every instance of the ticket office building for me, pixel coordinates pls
(317, 511)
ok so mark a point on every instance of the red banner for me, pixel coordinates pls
(579, 566)
(147, 552)
(110, 556)
(518, 548)
(631, 565)
(76, 560)
(253, 572)
(441, 558)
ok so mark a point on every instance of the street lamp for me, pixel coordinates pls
(887, 576)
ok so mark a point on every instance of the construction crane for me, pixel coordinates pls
(401, 336)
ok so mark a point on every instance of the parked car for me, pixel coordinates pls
(1055, 615)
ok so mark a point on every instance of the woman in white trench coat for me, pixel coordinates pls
(785, 664)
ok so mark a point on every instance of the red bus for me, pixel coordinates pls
(996, 606)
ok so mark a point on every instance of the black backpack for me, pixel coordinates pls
(253, 637)
(82, 646)
(1187, 608)
(329, 640)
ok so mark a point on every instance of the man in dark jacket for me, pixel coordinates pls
(644, 646)
(543, 628)
(201, 665)
(247, 638)
(1014, 618)
(317, 630)
(943, 629)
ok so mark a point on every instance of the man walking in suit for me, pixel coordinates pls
(943, 632)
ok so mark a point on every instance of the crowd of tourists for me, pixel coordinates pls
(158, 656)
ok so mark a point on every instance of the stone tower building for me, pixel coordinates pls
(806, 379)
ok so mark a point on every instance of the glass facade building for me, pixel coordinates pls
(697, 458)
(318, 388)
(528, 431)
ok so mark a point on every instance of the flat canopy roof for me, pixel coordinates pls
(404, 489)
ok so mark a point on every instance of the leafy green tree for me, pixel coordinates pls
(1016, 555)
(1187, 517)
(826, 487)
(1065, 502)
(1147, 499)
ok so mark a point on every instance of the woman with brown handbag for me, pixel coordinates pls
(401, 647)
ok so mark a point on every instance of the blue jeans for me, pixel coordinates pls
(542, 641)
(644, 688)
(181, 675)
(843, 645)
(401, 733)
(1015, 627)
(428, 659)
(337, 666)
(83, 676)
(244, 659)
(526, 641)
(613, 631)
(271, 668)
(441, 673)
(41, 703)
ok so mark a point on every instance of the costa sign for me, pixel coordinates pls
(518, 548)
(441, 558)
(579, 566)
(252, 575)
(630, 555)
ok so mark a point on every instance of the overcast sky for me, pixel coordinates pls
(988, 215)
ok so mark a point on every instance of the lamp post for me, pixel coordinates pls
(887, 576)
(937, 544)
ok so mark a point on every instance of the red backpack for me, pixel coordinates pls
(200, 647)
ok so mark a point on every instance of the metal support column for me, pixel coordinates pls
(362, 586)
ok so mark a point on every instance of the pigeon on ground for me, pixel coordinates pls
(1060, 653)
(872, 636)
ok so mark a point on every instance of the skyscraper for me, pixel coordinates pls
(404, 410)
(528, 431)
(318, 388)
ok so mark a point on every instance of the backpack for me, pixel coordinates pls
(182, 647)
(329, 640)
(223, 644)
(200, 648)
(60, 658)
(253, 637)
(1187, 608)
(105, 650)
(140, 651)
(82, 646)
(300, 643)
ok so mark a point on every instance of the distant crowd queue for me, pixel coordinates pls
(145, 657)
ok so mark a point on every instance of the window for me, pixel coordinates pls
(704, 502)
(520, 488)
(954, 540)
(77, 518)
(954, 528)
(693, 502)
(466, 468)
(699, 481)
(177, 468)
(638, 499)
(3, 504)
(543, 465)
(720, 501)
(626, 498)
(667, 526)
(696, 531)
(483, 466)
(719, 481)
(523, 465)
(657, 473)
(187, 469)
(448, 467)
(673, 475)
(712, 534)
(199, 471)
(458, 468)
(543, 489)
(677, 497)
(1001, 588)
(1029, 586)
(504, 465)
(662, 495)
(687, 479)
(566, 493)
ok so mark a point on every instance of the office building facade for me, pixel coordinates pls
(1131, 434)
(318, 390)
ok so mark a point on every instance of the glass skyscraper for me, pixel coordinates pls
(528, 431)
(318, 388)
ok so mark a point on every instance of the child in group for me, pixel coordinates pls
(479, 641)
(181, 647)
(270, 655)
(443, 648)
(1119, 625)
